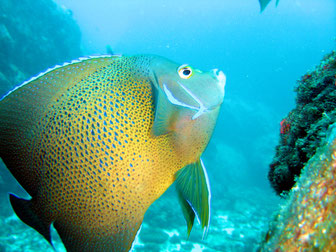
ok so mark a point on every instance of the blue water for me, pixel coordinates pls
(262, 56)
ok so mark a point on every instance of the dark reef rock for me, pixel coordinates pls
(306, 220)
(34, 35)
(305, 165)
(304, 128)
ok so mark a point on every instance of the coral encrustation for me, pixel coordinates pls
(308, 220)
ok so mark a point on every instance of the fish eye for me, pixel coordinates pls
(184, 71)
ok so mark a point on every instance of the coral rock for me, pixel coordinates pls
(304, 128)
(307, 221)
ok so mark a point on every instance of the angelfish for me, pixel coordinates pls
(96, 141)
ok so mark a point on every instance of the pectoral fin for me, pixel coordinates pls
(194, 193)
(164, 114)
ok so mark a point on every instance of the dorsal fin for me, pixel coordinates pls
(57, 67)
(23, 109)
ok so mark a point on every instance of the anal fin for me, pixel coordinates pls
(25, 211)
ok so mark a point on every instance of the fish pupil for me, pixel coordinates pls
(186, 72)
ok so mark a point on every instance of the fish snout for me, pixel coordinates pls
(214, 96)
(216, 93)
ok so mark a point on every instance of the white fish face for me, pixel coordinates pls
(190, 88)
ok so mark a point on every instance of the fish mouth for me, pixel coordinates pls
(221, 78)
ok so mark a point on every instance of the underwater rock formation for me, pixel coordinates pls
(304, 128)
(34, 35)
(306, 159)
(308, 219)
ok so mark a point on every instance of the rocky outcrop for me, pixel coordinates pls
(306, 221)
(305, 167)
(303, 130)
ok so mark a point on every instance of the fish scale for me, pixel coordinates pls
(86, 152)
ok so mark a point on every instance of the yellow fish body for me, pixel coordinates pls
(97, 141)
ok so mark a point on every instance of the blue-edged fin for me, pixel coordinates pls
(25, 211)
(23, 113)
(165, 113)
(194, 192)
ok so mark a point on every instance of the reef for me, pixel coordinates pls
(305, 127)
(307, 221)
(305, 167)
(34, 35)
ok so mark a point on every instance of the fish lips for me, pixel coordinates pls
(221, 78)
